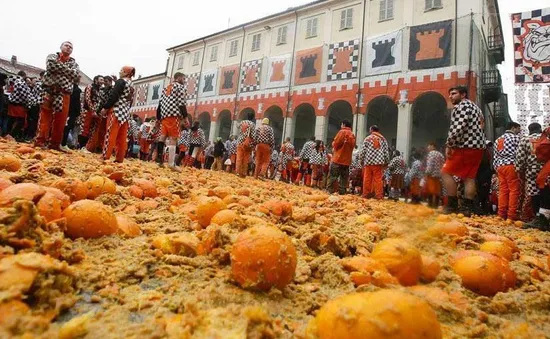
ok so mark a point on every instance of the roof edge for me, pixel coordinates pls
(150, 76)
(289, 10)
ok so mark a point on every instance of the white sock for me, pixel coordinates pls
(544, 212)
(171, 155)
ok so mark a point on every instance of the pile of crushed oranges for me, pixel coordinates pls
(103, 250)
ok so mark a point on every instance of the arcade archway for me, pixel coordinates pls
(430, 120)
(304, 124)
(275, 116)
(382, 111)
(224, 124)
(338, 111)
(204, 119)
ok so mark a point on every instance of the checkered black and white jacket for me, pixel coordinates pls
(274, 157)
(172, 101)
(526, 162)
(397, 166)
(307, 151)
(184, 138)
(35, 97)
(209, 150)
(133, 129)
(265, 135)
(416, 170)
(434, 163)
(232, 149)
(104, 94)
(197, 138)
(505, 149)
(375, 150)
(21, 93)
(466, 130)
(120, 99)
(287, 153)
(59, 78)
(318, 157)
(91, 98)
(246, 129)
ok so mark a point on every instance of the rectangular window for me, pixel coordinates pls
(256, 41)
(433, 4)
(214, 53)
(386, 10)
(312, 28)
(196, 58)
(233, 48)
(180, 61)
(346, 19)
(281, 35)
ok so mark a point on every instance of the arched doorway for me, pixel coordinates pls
(431, 119)
(304, 124)
(382, 111)
(204, 119)
(275, 116)
(337, 112)
(224, 124)
(245, 113)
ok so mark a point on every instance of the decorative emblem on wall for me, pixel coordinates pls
(308, 66)
(430, 45)
(343, 60)
(229, 81)
(250, 76)
(278, 71)
(383, 54)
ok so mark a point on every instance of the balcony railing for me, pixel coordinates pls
(496, 48)
(491, 85)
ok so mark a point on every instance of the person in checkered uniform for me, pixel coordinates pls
(397, 169)
(172, 110)
(34, 107)
(374, 156)
(528, 167)
(133, 131)
(183, 145)
(343, 146)
(75, 107)
(305, 166)
(465, 145)
(286, 157)
(18, 101)
(317, 160)
(245, 144)
(434, 163)
(264, 139)
(273, 163)
(89, 116)
(197, 143)
(509, 184)
(61, 72)
(231, 147)
(117, 109)
(99, 125)
(414, 177)
(355, 172)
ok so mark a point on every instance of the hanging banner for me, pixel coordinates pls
(431, 45)
(532, 45)
(384, 53)
(278, 74)
(343, 60)
(209, 83)
(154, 91)
(141, 94)
(309, 63)
(191, 83)
(229, 78)
(250, 76)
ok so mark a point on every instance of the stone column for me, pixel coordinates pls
(404, 130)
(361, 122)
(321, 128)
(234, 127)
(289, 129)
(213, 131)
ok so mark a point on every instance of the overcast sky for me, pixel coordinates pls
(108, 34)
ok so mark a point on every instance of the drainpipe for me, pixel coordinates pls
(292, 58)
(239, 80)
(200, 78)
(471, 46)
(359, 90)
(456, 32)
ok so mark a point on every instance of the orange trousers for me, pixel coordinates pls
(372, 181)
(416, 191)
(51, 124)
(509, 188)
(433, 186)
(98, 137)
(88, 120)
(243, 158)
(117, 136)
(263, 156)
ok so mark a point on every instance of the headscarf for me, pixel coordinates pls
(129, 71)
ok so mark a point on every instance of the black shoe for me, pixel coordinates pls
(540, 223)
(452, 206)
(467, 208)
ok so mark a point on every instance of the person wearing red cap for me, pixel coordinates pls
(117, 110)
(61, 72)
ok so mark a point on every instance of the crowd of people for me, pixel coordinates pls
(473, 176)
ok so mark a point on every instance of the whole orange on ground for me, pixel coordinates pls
(90, 219)
(207, 208)
(385, 314)
(263, 257)
(100, 185)
(401, 259)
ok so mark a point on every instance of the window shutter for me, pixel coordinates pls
(349, 23)
(343, 19)
(285, 33)
(314, 27)
(438, 3)
(382, 9)
(389, 10)
(429, 4)
(308, 29)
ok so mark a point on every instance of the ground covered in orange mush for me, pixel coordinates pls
(93, 250)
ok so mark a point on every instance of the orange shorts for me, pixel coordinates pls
(463, 163)
(17, 111)
(433, 186)
(170, 127)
